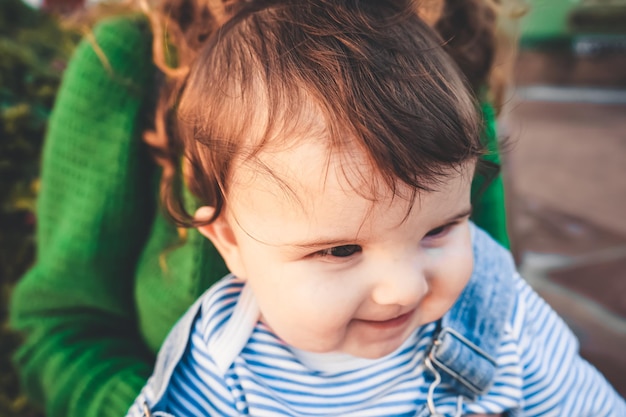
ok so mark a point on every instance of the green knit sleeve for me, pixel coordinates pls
(488, 199)
(82, 354)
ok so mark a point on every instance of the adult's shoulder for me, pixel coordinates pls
(124, 33)
(117, 52)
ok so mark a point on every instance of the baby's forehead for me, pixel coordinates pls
(309, 169)
(313, 159)
(275, 195)
(302, 191)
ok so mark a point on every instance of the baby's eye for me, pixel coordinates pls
(438, 231)
(343, 251)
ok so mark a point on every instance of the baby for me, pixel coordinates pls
(332, 146)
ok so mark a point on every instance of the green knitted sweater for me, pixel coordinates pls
(111, 275)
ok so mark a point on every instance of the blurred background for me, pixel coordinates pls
(563, 126)
(565, 122)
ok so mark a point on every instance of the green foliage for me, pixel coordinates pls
(34, 51)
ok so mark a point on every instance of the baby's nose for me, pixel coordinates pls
(402, 284)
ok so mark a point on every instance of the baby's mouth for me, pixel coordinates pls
(390, 323)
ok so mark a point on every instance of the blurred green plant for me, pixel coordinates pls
(34, 50)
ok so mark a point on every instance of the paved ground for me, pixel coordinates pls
(566, 176)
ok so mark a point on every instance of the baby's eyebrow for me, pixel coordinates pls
(464, 213)
(327, 242)
(323, 243)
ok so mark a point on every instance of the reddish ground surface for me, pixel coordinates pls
(566, 176)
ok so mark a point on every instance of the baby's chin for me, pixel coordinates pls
(369, 352)
(376, 350)
(358, 346)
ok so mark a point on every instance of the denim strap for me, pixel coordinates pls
(465, 346)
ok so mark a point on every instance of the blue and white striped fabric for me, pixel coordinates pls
(539, 372)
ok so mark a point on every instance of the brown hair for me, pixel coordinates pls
(467, 28)
(181, 27)
(373, 71)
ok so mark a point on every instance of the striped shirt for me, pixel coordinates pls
(234, 365)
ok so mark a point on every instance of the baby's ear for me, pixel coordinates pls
(221, 234)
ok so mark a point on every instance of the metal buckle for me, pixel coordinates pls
(465, 341)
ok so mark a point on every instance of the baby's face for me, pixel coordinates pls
(331, 269)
